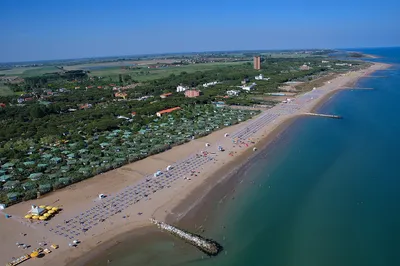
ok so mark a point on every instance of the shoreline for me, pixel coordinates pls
(180, 202)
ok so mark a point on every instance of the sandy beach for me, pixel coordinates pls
(170, 203)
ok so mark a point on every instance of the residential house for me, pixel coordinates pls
(165, 95)
(305, 67)
(250, 87)
(232, 93)
(192, 93)
(121, 95)
(2, 105)
(167, 111)
(85, 106)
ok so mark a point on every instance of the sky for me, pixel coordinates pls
(52, 29)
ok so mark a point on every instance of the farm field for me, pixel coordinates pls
(145, 74)
(29, 71)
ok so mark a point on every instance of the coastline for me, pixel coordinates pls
(180, 206)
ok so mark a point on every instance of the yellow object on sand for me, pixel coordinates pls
(46, 214)
(55, 209)
(42, 206)
(35, 217)
(54, 246)
(49, 208)
(28, 216)
(34, 254)
(51, 211)
(42, 218)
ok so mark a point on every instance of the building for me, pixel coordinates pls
(250, 87)
(2, 105)
(167, 111)
(121, 95)
(305, 67)
(232, 93)
(85, 106)
(261, 77)
(165, 95)
(205, 85)
(257, 62)
(181, 88)
(219, 104)
(192, 93)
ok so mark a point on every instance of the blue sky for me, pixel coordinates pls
(52, 29)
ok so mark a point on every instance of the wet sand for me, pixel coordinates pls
(185, 199)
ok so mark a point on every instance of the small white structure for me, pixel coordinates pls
(226, 135)
(169, 167)
(232, 93)
(261, 77)
(157, 173)
(254, 149)
(207, 144)
(205, 85)
(249, 88)
(102, 196)
(36, 210)
(2, 206)
(181, 88)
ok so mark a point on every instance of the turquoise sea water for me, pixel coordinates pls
(326, 193)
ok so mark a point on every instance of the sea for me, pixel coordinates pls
(325, 193)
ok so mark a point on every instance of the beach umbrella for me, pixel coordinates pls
(51, 212)
(42, 206)
(28, 216)
(34, 254)
(47, 214)
(42, 218)
(55, 209)
(35, 217)
(49, 208)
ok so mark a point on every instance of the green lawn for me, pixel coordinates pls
(5, 90)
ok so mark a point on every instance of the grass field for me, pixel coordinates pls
(37, 71)
(5, 91)
(149, 74)
(29, 71)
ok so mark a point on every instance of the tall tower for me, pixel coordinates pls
(257, 62)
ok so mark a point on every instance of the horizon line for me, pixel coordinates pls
(193, 52)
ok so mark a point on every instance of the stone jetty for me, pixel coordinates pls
(208, 246)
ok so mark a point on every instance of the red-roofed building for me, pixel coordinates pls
(2, 105)
(121, 95)
(192, 93)
(167, 111)
(28, 99)
(165, 95)
(133, 113)
(85, 106)
(89, 87)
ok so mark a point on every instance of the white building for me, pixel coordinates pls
(250, 87)
(261, 77)
(205, 85)
(181, 88)
(232, 93)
